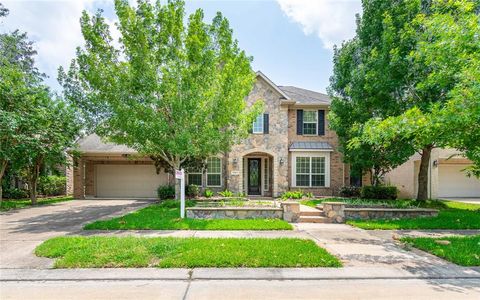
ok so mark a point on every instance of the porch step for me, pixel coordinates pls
(317, 213)
(312, 219)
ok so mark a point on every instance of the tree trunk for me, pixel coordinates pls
(422, 194)
(177, 181)
(33, 181)
(3, 167)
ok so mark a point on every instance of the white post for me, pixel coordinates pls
(180, 174)
(182, 195)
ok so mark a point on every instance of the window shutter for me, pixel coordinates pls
(321, 122)
(299, 121)
(265, 123)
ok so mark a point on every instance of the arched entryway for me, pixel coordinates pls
(258, 174)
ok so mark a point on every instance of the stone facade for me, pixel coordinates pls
(239, 213)
(273, 145)
(338, 212)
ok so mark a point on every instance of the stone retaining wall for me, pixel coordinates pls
(238, 213)
(336, 212)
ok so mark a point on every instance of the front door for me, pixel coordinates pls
(254, 176)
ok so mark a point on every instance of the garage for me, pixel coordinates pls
(127, 181)
(453, 182)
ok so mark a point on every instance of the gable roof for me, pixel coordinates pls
(273, 85)
(303, 96)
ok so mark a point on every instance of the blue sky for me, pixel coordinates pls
(291, 40)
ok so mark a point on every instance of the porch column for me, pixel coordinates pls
(79, 179)
(276, 165)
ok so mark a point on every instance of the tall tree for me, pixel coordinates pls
(173, 92)
(35, 127)
(442, 84)
(407, 59)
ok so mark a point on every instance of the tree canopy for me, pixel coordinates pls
(172, 91)
(36, 128)
(413, 64)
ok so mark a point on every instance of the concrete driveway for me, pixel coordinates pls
(22, 230)
(473, 200)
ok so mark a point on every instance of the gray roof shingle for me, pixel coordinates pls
(310, 146)
(303, 96)
(93, 143)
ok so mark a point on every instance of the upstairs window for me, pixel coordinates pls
(310, 121)
(258, 124)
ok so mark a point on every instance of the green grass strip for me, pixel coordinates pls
(167, 216)
(464, 251)
(137, 252)
(6, 205)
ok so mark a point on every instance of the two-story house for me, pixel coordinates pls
(290, 147)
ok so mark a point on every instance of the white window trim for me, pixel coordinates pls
(221, 179)
(325, 154)
(195, 173)
(262, 122)
(316, 122)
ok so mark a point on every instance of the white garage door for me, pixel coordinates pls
(454, 183)
(129, 181)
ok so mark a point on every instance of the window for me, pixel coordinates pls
(310, 171)
(214, 171)
(310, 122)
(195, 178)
(266, 183)
(258, 124)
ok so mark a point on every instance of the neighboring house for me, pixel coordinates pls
(446, 176)
(290, 147)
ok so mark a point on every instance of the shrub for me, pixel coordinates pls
(166, 192)
(226, 193)
(192, 190)
(298, 194)
(208, 193)
(309, 195)
(15, 193)
(350, 191)
(379, 192)
(52, 185)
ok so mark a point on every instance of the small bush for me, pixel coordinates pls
(52, 185)
(166, 192)
(208, 193)
(350, 191)
(379, 192)
(309, 195)
(15, 193)
(226, 193)
(192, 190)
(298, 194)
(176, 203)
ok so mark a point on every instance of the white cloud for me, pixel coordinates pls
(54, 26)
(333, 21)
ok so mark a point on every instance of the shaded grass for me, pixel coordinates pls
(166, 215)
(6, 205)
(452, 215)
(124, 252)
(464, 251)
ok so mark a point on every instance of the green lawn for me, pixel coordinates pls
(23, 203)
(125, 252)
(464, 251)
(167, 216)
(452, 215)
